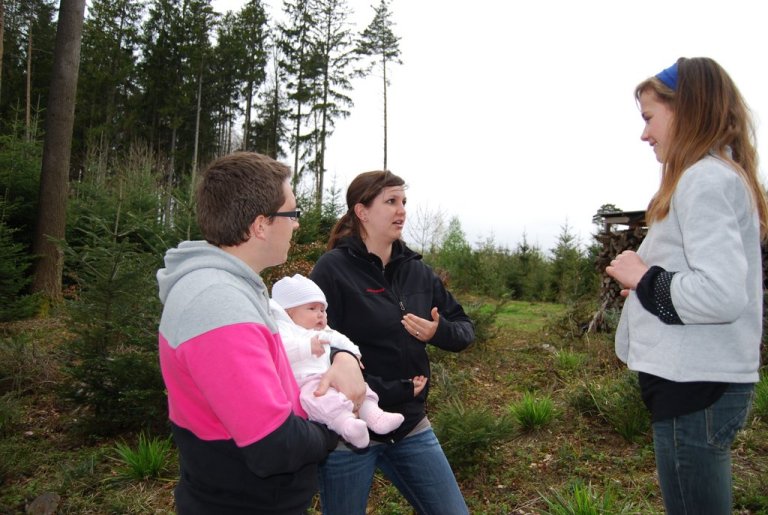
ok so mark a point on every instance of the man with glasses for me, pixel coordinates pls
(245, 444)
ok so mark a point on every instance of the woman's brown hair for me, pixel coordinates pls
(709, 116)
(362, 190)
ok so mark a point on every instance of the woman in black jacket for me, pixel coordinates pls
(384, 298)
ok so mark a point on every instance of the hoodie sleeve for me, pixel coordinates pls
(710, 203)
(277, 452)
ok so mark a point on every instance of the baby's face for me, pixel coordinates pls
(309, 316)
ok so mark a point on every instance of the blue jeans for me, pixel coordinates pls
(416, 465)
(693, 454)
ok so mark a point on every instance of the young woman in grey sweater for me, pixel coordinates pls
(692, 320)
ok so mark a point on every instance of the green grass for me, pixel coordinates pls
(528, 316)
(148, 460)
(583, 499)
(595, 452)
(532, 412)
(570, 363)
(760, 404)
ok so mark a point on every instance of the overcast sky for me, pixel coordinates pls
(519, 117)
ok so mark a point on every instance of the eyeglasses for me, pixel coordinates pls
(293, 215)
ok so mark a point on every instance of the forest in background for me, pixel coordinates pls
(161, 88)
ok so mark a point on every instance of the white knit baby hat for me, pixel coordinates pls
(294, 291)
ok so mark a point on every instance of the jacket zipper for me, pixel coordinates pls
(393, 287)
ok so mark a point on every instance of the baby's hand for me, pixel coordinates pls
(419, 382)
(318, 346)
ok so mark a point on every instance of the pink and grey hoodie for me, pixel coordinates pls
(244, 442)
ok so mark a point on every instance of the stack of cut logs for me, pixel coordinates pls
(614, 242)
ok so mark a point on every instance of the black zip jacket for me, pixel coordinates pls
(367, 301)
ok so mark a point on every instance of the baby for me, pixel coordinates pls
(298, 305)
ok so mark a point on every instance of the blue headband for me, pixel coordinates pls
(669, 77)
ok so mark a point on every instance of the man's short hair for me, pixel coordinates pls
(234, 190)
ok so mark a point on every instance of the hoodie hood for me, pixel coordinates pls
(193, 256)
(203, 288)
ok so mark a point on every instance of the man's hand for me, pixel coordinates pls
(345, 376)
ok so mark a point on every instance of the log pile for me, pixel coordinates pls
(614, 241)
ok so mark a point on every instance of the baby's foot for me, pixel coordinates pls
(355, 431)
(380, 421)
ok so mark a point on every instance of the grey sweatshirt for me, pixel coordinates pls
(711, 239)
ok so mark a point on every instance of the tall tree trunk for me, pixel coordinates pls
(193, 179)
(248, 107)
(320, 158)
(384, 66)
(295, 180)
(197, 131)
(57, 149)
(171, 178)
(2, 32)
(275, 129)
(28, 108)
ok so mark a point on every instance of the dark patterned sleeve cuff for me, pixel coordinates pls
(653, 292)
(335, 351)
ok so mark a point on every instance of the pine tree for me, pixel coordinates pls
(176, 48)
(252, 31)
(529, 279)
(300, 64)
(568, 266)
(15, 304)
(225, 83)
(332, 38)
(108, 74)
(270, 130)
(379, 43)
(456, 257)
(29, 32)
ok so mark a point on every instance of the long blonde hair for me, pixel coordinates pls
(709, 116)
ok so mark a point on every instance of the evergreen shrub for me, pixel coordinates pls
(15, 302)
(112, 365)
(468, 435)
(20, 164)
(484, 317)
(617, 401)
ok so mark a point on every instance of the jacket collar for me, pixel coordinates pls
(356, 246)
